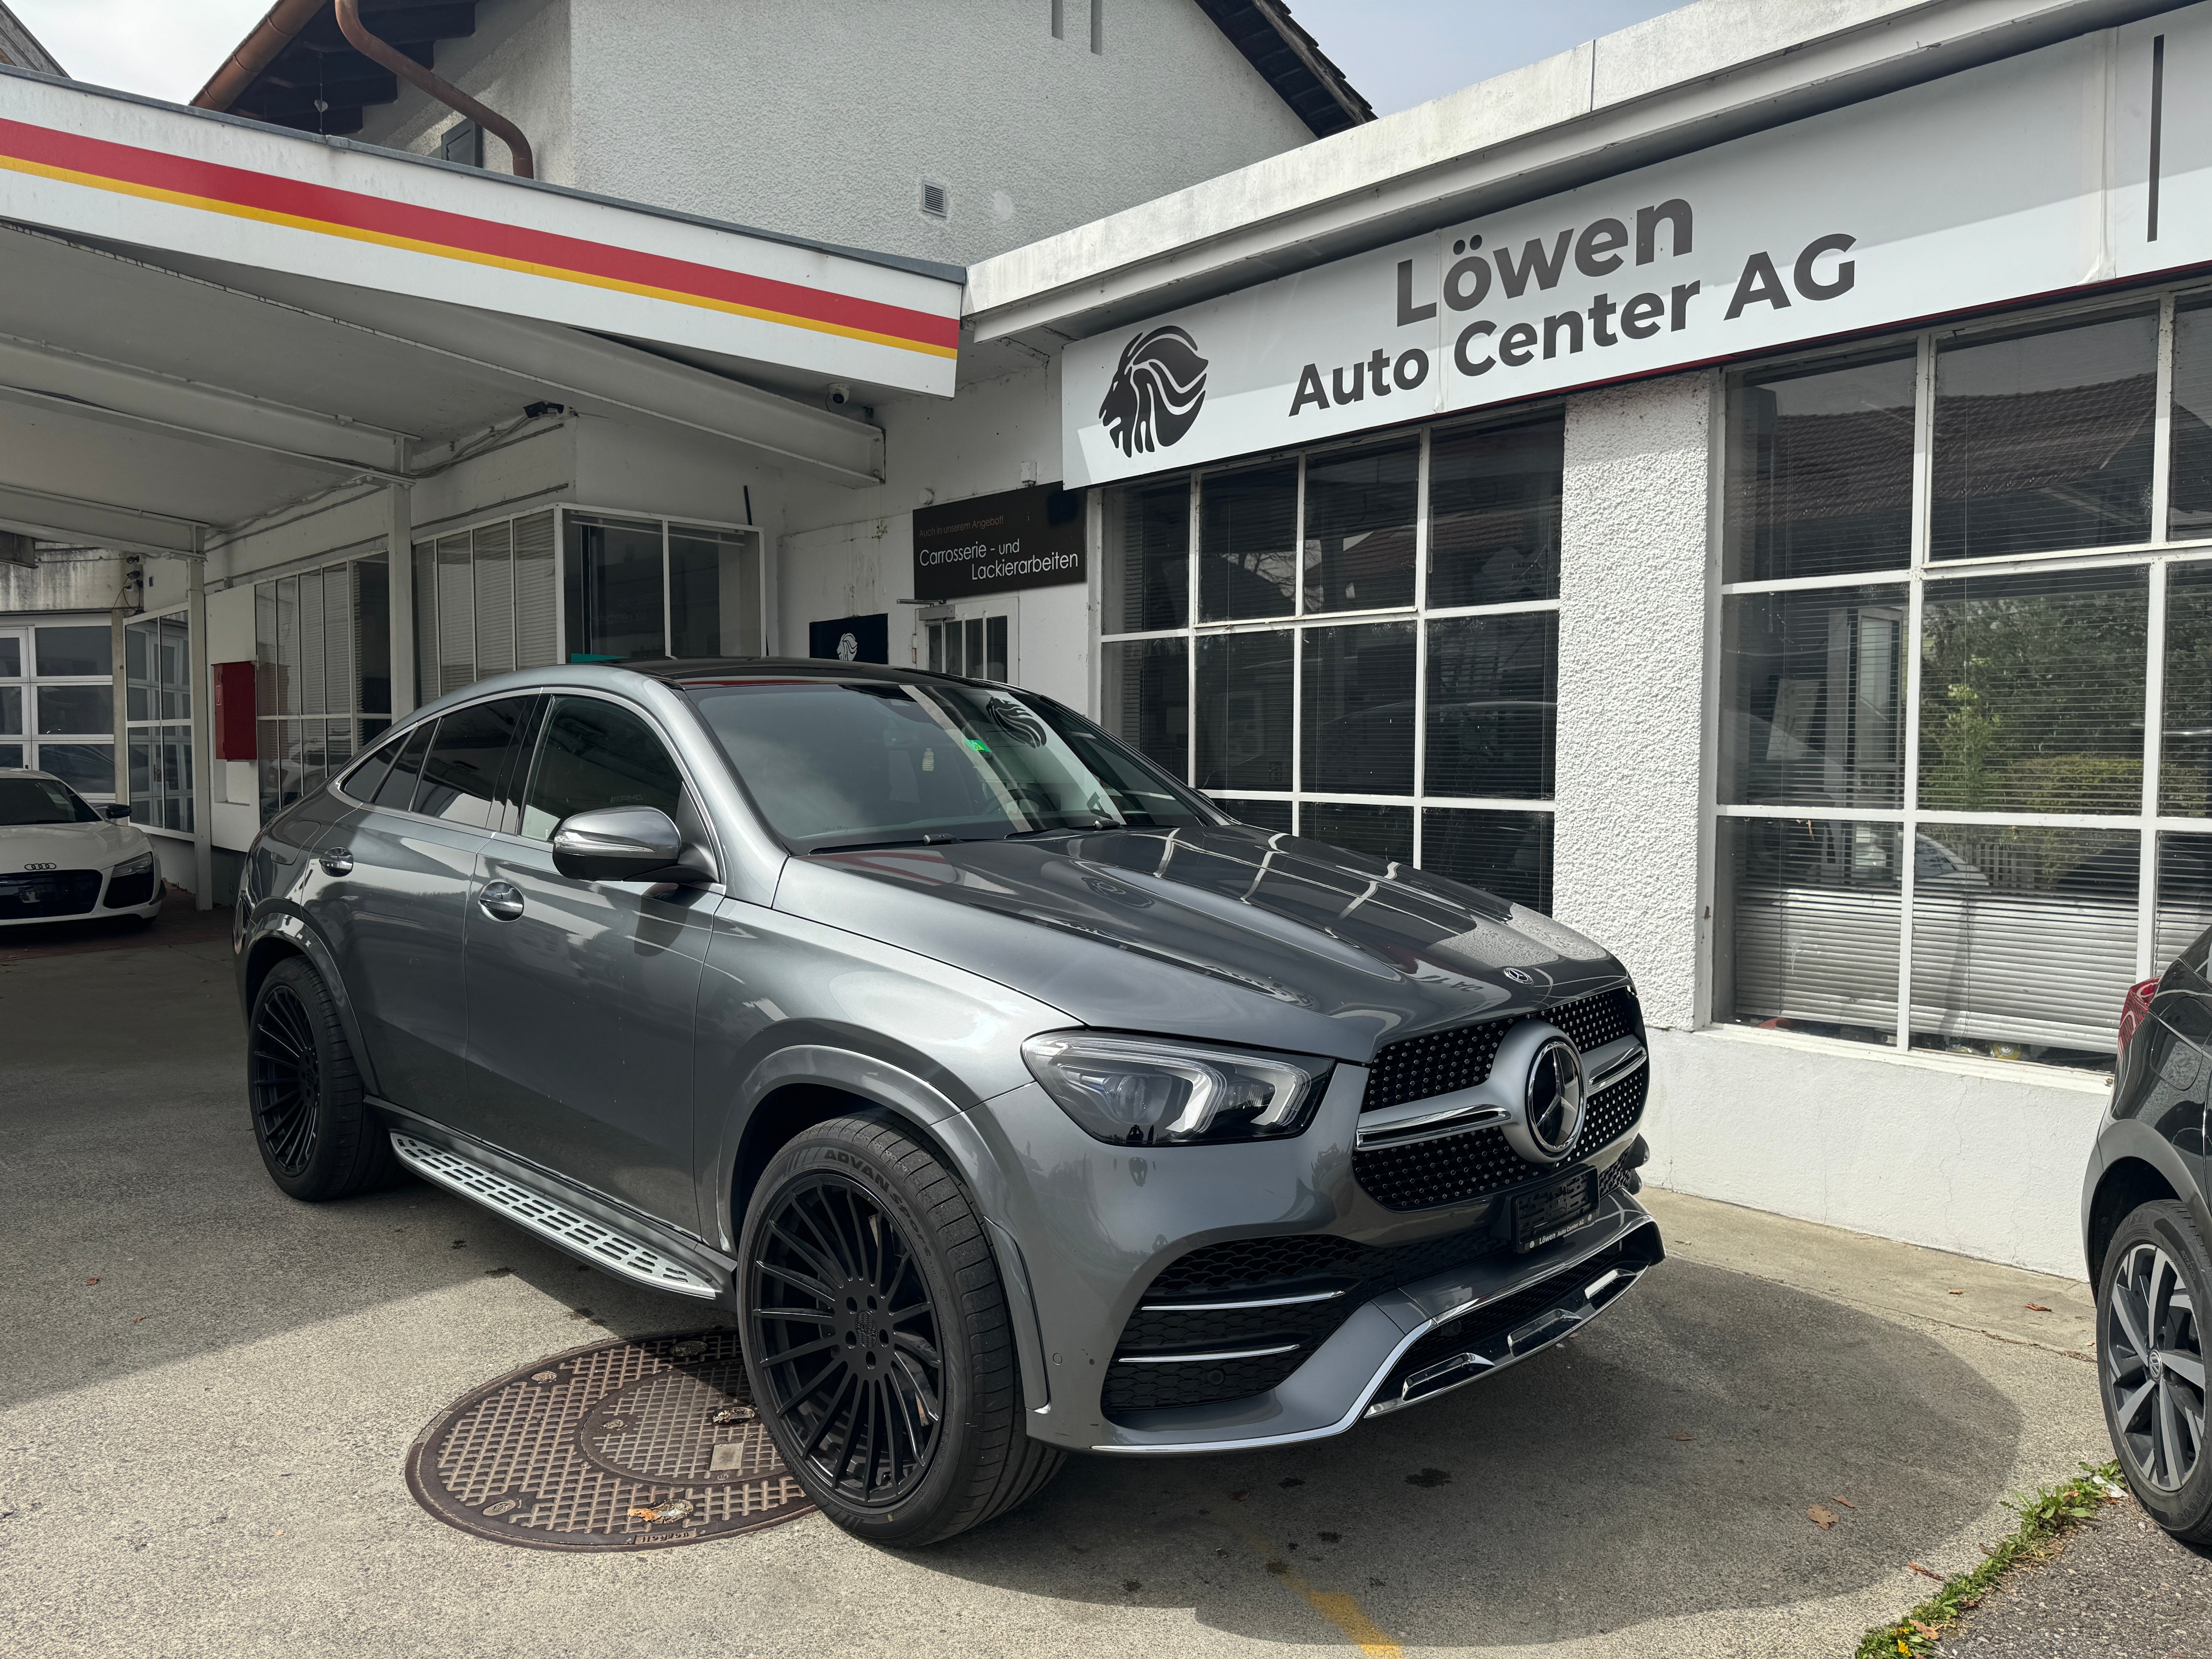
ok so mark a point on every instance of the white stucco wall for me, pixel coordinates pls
(1626, 862)
(518, 63)
(1982, 1158)
(822, 118)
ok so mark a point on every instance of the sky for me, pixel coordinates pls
(1397, 52)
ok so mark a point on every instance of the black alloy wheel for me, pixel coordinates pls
(2153, 1367)
(2153, 1289)
(285, 1081)
(846, 1337)
(312, 1122)
(878, 1340)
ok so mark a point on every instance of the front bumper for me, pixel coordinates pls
(30, 897)
(1412, 1345)
(1085, 1230)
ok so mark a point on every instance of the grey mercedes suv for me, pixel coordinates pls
(1013, 1098)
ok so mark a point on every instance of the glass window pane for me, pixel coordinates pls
(1244, 711)
(2185, 896)
(1820, 472)
(1494, 515)
(2190, 514)
(2031, 693)
(138, 760)
(2044, 441)
(372, 636)
(596, 754)
(1261, 814)
(1385, 832)
(614, 590)
(705, 587)
(11, 710)
(87, 767)
(12, 754)
(397, 789)
(1507, 854)
(11, 657)
(1810, 921)
(2023, 940)
(67, 708)
(2184, 770)
(994, 649)
(1493, 690)
(1143, 698)
(1812, 687)
(67, 651)
(1359, 709)
(1147, 574)
(462, 774)
(1248, 562)
(1361, 506)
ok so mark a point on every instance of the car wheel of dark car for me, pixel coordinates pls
(311, 1119)
(877, 1337)
(2154, 1298)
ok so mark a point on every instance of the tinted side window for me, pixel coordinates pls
(366, 779)
(461, 777)
(397, 789)
(597, 754)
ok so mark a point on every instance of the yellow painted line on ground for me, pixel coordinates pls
(1340, 1608)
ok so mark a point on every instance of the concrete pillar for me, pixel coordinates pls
(204, 759)
(1628, 850)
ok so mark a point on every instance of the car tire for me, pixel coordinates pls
(311, 1118)
(2150, 1365)
(877, 1339)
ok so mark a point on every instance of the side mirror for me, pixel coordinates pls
(623, 843)
(116, 809)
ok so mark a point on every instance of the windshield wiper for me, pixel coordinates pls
(874, 845)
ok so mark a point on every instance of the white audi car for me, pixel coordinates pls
(62, 859)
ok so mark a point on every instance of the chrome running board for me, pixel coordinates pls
(570, 1229)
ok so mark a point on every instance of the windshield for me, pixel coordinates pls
(845, 764)
(41, 800)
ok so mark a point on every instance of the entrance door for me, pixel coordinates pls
(580, 993)
(977, 640)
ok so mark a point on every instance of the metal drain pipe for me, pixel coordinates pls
(444, 91)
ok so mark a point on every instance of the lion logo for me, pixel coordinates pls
(1158, 387)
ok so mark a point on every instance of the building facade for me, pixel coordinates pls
(1741, 486)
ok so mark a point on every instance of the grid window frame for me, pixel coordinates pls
(1305, 619)
(1925, 576)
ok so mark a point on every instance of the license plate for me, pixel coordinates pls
(1549, 1211)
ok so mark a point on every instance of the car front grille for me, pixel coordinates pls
(1456, 1168)
(1416, 1068)
(48, 893)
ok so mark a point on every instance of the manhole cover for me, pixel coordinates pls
(620, 1446)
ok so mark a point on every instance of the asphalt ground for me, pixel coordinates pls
(2117, 1587)
(206, 1392)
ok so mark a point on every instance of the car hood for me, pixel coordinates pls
(1232, 933)
(64, 846)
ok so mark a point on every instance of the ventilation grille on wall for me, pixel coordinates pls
(934, 200)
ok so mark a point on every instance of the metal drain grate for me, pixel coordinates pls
(623, 1446)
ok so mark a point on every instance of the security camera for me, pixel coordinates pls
(839, 394)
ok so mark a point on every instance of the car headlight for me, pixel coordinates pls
(142, 864)
(1134, 1091)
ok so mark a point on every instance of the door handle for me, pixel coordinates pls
(336, 861)
(500, 901)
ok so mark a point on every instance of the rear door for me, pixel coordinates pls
(391, 901)
(581, 994)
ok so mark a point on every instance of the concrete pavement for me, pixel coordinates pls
(200, 1454)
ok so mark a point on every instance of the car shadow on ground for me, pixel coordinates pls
(1661, 1463)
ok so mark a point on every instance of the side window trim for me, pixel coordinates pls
(380, 755)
